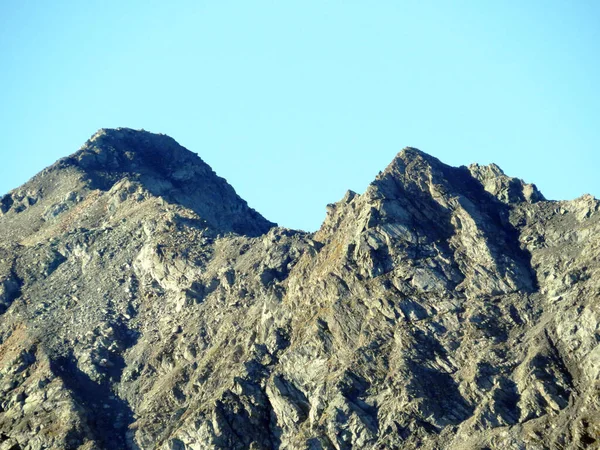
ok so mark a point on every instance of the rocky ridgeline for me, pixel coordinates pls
(144, 305)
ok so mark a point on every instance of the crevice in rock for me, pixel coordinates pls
(560, 362)
(108, 416)
(10, 290)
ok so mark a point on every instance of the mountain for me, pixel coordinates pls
(144, 305)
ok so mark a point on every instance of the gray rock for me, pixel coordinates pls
(144, 305)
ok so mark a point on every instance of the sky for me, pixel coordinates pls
(294, 102)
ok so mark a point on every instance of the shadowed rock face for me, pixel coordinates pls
(144, 305)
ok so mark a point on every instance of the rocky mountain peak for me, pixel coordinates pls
(418, 200)
(124, 164)
(168, 170)
(410, 159)
(418, 169)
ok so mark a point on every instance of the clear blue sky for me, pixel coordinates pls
(296, 101)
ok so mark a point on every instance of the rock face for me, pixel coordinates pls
(144, 305)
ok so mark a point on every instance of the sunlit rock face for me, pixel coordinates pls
(145, 305)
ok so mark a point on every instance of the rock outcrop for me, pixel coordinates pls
(144, 305)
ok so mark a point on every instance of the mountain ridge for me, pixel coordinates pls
(443, 308)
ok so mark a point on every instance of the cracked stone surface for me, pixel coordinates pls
(144, 305)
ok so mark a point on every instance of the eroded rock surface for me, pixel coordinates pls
(144, 305)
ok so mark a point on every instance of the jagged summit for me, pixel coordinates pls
(408, 156)
(417, 198)
(416, 164)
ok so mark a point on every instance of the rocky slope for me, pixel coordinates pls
(144, 305)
